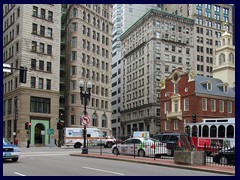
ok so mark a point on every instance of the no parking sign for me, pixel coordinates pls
(85, 120)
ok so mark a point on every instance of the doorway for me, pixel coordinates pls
(39, 139)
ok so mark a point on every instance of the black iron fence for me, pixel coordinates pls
(224, 156)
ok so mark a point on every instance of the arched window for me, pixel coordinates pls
(107, 29)
(94, 21)
(213, 131)
(223, 42)
(231, 58)
(230, 131)
(94, 120)
(205, 131)
(221, 58)
(221, 131)
(84, 15)
(103, 26)
(104, 121)
(75, 12)
(88, 18)
(98, 23)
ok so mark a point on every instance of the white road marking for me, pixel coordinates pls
(27, 155)
(19, 174)
(104, 171)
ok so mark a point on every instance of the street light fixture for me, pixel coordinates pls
(84, 97)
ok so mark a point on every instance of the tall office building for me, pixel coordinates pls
(208, 29)
(124, 16)
(31, 34)
(152, 48)
(88, 58)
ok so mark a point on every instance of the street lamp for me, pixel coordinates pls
(84, 97)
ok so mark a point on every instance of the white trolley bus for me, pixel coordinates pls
(212, 132)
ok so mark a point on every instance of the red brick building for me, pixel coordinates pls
(186, 94)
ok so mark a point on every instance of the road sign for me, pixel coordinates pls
(85, 120)
(50, 131)
(7, 68)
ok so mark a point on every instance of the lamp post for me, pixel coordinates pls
(84, 97)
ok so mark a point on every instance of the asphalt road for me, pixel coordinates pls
(58, 162)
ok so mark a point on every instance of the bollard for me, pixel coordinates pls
(28, 143)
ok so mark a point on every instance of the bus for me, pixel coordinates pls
(214, 132)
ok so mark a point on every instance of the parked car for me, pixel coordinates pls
(10, 151)
(175, 140)
(140, 147)
(225, 156)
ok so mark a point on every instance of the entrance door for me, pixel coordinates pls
(38, 137)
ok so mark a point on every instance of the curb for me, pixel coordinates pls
(204, 168)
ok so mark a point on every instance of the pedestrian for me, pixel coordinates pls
(16, 141)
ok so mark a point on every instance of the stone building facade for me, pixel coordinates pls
(151, 48)
(88, 58)
(31, 35)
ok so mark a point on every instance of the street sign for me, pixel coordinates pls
(50, 131)
(85, 120)
(7, 68)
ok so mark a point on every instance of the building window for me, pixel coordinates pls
(176, 125)
(33, 63)
(41, 48)
(221, 106)
(43, 12)
(74, 27)
(166, 125)
(49, 49)
(229, 107)
(41, 65)
(10, 106)
(40, 83)
(48, 85)
(49, 67)
(73, 98)
(34, 28)
(166, 107)
(74, 42)
(75, 12)
(186, 104)
(33, 82)
(34, 46)
(104, 121)
(42, 30)
(74, 70)
(40, 105)
(35, 11)
(73, 119)
(204, 104)
(49, 31)
(50, 15)
(74, 55)
(213, 105)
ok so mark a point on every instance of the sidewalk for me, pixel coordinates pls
(161, 162)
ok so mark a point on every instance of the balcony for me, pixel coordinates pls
(174, 115)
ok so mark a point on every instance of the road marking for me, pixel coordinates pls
(19, 174)
(104, 171)
(27, 155)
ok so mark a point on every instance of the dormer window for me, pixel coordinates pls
(223, 87)
(209, 86)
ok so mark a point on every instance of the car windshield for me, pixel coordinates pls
(5, 141)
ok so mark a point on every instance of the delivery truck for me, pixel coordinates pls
(95, 137)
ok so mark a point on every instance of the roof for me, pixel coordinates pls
(216, 84)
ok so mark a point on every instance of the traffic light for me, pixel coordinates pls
(23, 75)
(28, 125)
(61, 125)
(194, 118)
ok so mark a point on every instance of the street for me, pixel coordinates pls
(45, 161)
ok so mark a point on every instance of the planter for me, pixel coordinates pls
(189, 157)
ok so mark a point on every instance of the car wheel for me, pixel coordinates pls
(223, 161)
(14, 159)
(109, 144)
(141, 153)
(115, 151)
(77, 145)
